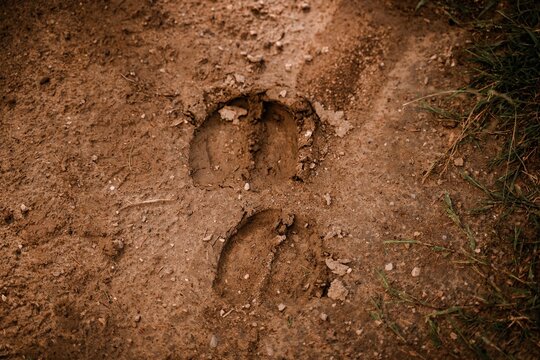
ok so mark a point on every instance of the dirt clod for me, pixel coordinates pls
(334, 118)
(459, 162)
(232, 113)
(336, 267)
(337, 290)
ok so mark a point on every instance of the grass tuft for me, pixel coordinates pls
(501, 101)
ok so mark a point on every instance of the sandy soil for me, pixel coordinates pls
(220, 179)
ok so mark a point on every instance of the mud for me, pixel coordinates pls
(266, 142)
(129, 130)
(259, 263)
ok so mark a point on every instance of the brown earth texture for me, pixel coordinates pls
(233, 179)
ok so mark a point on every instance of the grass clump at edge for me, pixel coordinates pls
(504, 95)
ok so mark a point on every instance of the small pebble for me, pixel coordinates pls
(323, 317)
(328, 199)
(213, 341)
(281, 307)
(415, 272)
(459, 162)
(255, 58)
(247, 186)
(137, 318)
(389, 267)
(208, 238)
(24, 209)
(239, 78)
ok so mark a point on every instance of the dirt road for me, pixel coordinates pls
(226, 179)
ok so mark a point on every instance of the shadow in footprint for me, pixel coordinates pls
(270, 257)
(252, 139)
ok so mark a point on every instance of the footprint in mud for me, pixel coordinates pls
(270, 257)
(254, 139)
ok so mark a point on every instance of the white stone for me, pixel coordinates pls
(213, 341)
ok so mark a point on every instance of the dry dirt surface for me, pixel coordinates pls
(224, 179)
